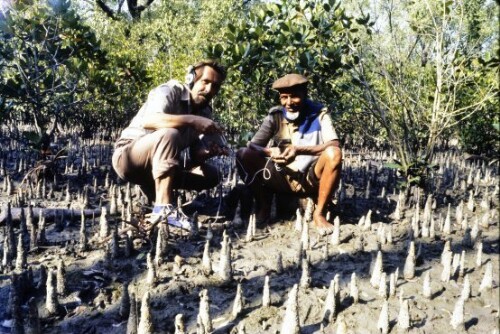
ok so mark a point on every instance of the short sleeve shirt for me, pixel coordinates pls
(169, 98)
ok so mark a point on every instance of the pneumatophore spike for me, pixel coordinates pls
(161, 244)
(305, 278)
(83, 241)
(41, 228)
(180, 328)
(14, 305)
(114, 244)
(326, 251)
(446, 250)
(465, 223)
(238, 303)
(61, 278)
(392, 285)
(151, 275)
(479, 254)
(354, 290)
(457, 318)
(383, 320)
(397, 211)
(461, 269)
(308, 212)
(21, 257)
(335, 240)
(266, 293)
(446, 259)
(225, 271)
(250, 228)
(487, 282)
(361, 222)
(377, 270)
(381, 236)
(432, 228)
(466, 289)
(470, 203)
(368, 221)
(6, 260)
(404, 317)
(132, 321)
(298, 220)
(409, 268)
(459, 213)
(475, 232)
(124, 302)
(204, 312)
(113, 206)
(426, 286)
(389, 234)
(291, 324)
(206, 261)
(330, 309)
(127, 250)
(103, 223)
(447, 222)
(146, 323)
(382, 287)
(455, 264)
(279, 263)
(304, 238)
(51, 302)
(485, 220)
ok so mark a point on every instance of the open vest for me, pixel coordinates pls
(305, 133)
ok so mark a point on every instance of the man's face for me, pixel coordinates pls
(293, 99)
(206, 87)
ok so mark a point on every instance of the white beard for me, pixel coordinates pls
(291, 116)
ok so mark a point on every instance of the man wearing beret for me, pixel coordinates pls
(295, 151)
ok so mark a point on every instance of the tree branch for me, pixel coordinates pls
(105, 8)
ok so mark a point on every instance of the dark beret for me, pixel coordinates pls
(289, 80)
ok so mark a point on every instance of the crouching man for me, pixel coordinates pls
(175, 119)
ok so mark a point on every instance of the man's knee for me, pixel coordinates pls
(334, 156)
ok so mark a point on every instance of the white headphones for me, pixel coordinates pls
(190, 76)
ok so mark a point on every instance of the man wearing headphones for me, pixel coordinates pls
(295, 151)
(161, 149)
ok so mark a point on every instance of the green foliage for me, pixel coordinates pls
(272, 39)
(46, 54)
(160, 46)
(423, 74)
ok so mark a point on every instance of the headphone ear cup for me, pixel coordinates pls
(190, 76)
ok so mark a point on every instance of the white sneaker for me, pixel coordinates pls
(172, 216)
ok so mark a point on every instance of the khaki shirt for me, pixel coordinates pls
(169, 98)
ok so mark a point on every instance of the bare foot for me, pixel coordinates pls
(322, 225)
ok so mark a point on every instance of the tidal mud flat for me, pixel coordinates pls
(419, 261)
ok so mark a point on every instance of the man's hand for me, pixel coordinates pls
(289, 153)
(283, 157)
(206, 125)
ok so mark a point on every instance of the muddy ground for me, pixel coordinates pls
(94, 282)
